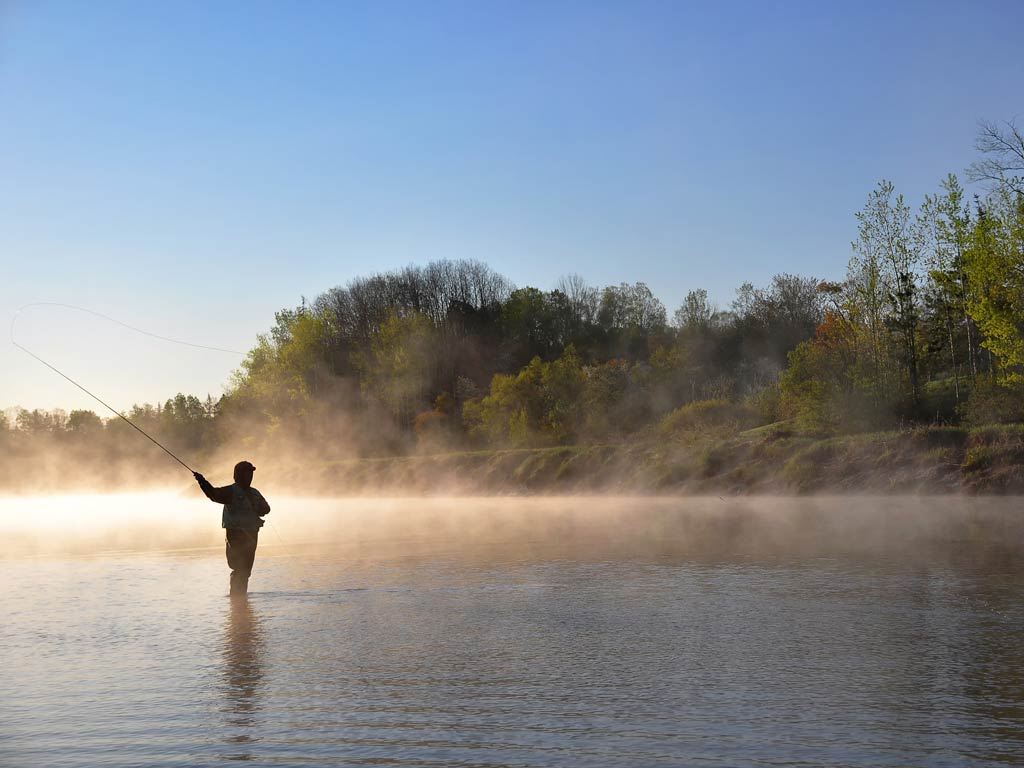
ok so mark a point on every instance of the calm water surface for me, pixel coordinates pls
(517, 633)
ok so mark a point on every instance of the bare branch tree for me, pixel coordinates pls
(1003, 163)
(583, 299)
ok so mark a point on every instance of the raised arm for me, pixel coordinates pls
(216, 495)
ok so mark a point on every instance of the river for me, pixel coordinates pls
(515, 632)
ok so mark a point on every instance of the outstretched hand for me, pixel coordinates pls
(199, 478)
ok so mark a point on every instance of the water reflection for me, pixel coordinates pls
(242, 676)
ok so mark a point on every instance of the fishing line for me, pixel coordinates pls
(122, 324)
(110, 408)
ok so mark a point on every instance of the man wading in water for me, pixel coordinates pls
(244, 508)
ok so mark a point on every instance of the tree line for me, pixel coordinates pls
(185, 420)
(927, 325)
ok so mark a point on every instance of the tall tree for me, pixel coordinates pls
(888, 251)
(695, 313)
(400, 367)
(85, 423)
(995, 265)
(946, 223)
(582, 298)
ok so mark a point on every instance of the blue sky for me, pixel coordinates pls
(191, 167)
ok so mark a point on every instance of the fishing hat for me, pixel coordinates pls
(243, 466)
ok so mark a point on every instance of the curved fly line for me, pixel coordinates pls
(109, 407)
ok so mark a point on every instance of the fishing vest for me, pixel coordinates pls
(241, 513)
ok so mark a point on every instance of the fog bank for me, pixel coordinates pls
(187, 524)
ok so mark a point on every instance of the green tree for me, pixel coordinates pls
(995, 269)
(606, 399)
(563, 382)
(946, 222)
(40, 422)
(695, 313)
(84, 423)
(282, 375)
(528, 325)
(887, 253)
(540, 405)
(626, 306)
(829, 384)
(397, 372)
(183, 420)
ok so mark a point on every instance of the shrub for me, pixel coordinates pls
(767, 403)
(992, 403)
(705, 414)
(978, 457)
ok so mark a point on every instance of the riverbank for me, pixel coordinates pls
(773, 459)
(718, 460)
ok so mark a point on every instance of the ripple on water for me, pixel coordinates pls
(466, 648)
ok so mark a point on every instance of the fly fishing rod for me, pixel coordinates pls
(130, 423)
(110, 408)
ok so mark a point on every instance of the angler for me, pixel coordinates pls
(244, 510)
(244, 506)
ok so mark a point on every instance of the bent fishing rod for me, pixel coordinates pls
(110, 408)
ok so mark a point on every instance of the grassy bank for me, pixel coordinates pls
(770, 459)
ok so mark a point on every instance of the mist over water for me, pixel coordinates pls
(554, 631)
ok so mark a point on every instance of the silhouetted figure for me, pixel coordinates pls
(244, 508)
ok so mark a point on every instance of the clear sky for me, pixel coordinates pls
(191, 167)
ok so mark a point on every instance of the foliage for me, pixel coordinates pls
(994, 261)
(85, 423)
(992, 403)
(830, 384)
(926, 327)
(886, 256)
(281, 373)
(541, 405)
(396, 370)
